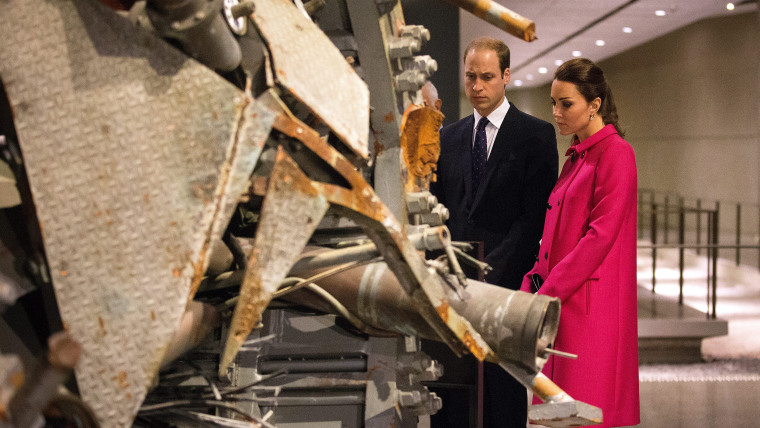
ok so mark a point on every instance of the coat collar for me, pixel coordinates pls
(582, 146)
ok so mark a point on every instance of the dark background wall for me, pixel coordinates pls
(689, 102)
(442, 19)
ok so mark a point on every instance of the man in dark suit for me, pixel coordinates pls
(495, 172)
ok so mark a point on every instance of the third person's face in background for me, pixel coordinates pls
(483, 80)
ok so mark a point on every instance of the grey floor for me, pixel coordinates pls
(724, 389)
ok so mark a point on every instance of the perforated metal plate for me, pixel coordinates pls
(312, 69)
(136, 156)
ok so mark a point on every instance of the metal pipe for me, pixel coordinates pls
(517, 326)
(432, 238)
(710, 252)
(666, 215)
(499, 16)
(716, 237)
(654, 241)
(681, 237)
(343, 399)
(559, 406)
(26, 406)
(699, 224)
(198, 321)
(314, 365)
(738, 232)
(200, 29)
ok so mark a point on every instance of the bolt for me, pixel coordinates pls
(409, 398)
(403, 47)
(410, 80)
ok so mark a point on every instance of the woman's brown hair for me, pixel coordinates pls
(589, 79)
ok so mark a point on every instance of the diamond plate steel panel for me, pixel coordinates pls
(308, 65)
(291, 211)
(136, 156)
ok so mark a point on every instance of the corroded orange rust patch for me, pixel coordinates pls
(421, 145)
(102, 326)
(389, 117)
(443, 311)
(17, 379)
(545, 388)
(121, 379)
(473, 346)
(379, 148)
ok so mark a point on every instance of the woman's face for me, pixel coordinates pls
(571, 111)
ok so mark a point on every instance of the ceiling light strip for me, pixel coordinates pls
(575, 34)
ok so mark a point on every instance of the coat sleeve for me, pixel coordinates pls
(437, 187)
(518, 249)
(613, 199)
(526, 281)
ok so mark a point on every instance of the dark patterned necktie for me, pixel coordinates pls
(479, 152)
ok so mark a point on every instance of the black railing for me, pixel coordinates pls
(656, 213)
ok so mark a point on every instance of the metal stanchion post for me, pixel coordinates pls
(681, 227)
(666, 220)
(699, 225)
(738, 232)
(654, 243)
(716, 235)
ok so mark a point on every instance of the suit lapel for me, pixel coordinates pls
(465, 154)
(504, 139)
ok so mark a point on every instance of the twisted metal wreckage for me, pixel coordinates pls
(187, 187)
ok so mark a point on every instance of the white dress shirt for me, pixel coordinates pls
(494, 123)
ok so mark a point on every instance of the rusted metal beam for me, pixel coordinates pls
(291, 211)
(499, 16)
(362, 205)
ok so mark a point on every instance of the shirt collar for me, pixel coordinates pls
(497, 116)
(582, 146)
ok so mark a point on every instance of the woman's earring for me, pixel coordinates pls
(590, 118)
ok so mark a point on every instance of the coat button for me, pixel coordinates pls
(546, 255)
(559, 201)
(548, 206)
(583, 155)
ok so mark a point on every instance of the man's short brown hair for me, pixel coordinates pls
(501, 49)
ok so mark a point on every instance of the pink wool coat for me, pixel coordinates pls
(588, 259)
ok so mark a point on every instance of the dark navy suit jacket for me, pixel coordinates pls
(507, 211)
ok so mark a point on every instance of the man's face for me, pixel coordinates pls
(483, 80)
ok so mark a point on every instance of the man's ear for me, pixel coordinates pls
(438, 104)
(506, 76)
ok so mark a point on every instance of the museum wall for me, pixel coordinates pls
(689, 103)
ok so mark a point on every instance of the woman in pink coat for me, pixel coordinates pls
(588, 250)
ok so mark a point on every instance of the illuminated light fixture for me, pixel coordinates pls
(627, 30)
(577, 53)
(529, 77)
(542, 70)
(600, 42)
(730, 6)
(558, 62)
(660, 13)
(518, 83)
